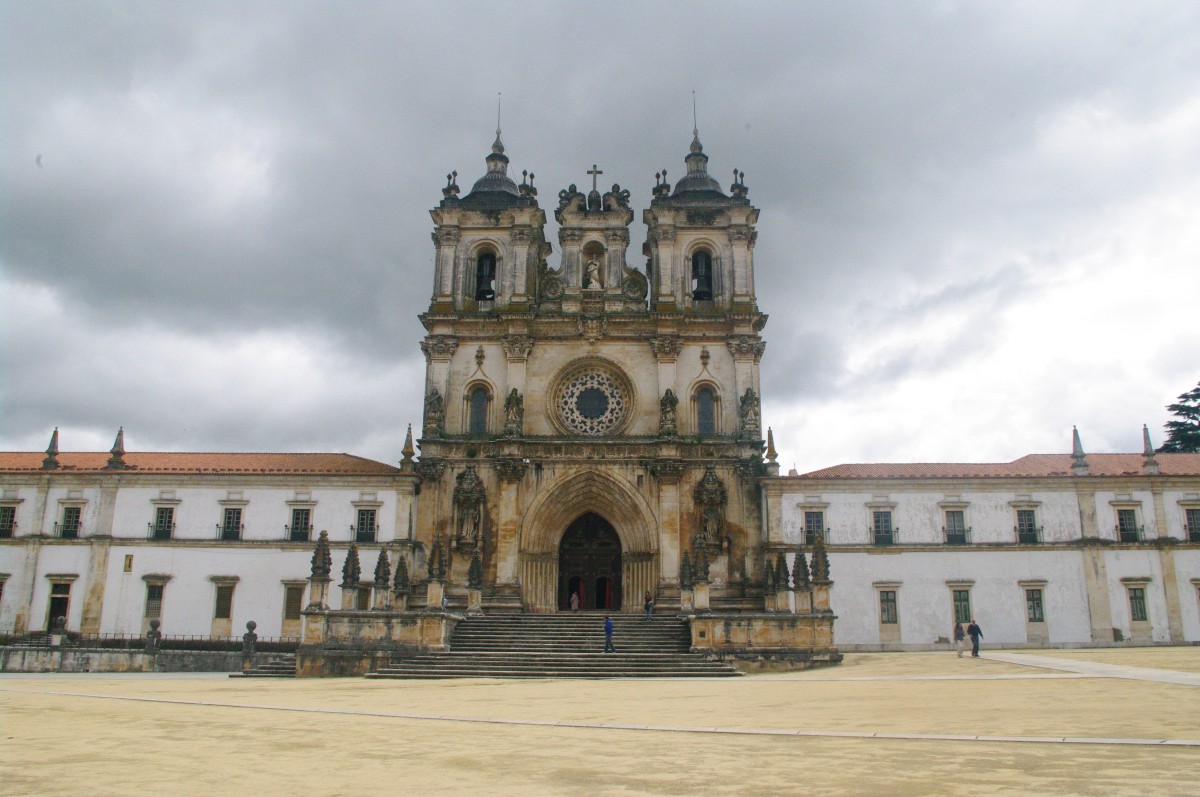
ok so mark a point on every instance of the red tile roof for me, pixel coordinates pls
(1029, 466)
(185, 462)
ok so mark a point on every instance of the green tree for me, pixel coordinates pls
(1183, 434)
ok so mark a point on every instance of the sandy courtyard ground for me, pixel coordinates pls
(1064, 732)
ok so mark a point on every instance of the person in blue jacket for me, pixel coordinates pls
(976, 634)
(609, 647)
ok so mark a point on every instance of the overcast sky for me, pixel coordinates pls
(980, 222)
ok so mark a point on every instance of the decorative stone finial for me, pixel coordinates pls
(1079, 465)
(800, 571)
(781, 572)
(383, 570)
(1149, 463)
(51, 460)
(685, 571)
(117, 460)
(475, 571)
(820, 561)
(401, 585)
(437, 559)
(408, 452)
(771, 453)
(351, 570)
(322, 559)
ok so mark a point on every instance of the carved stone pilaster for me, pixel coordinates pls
(439, 347)
(517, 347)
(746, 346)
(511, 469)
(665, 347)
(667, 471)
(430, 470)
(616, 237)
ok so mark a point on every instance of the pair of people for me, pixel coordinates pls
(973, 631)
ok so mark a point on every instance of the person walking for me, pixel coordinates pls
(609, 647)
(574, 601)
(649, 606)
(976, 634)
(959, 636)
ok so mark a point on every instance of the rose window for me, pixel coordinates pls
(591, 402)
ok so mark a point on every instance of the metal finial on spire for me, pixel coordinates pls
(695, 124)
(497, 114)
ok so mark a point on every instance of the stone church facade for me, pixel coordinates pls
(592, 432)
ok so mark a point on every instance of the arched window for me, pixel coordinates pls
(478, 421)
(485, 276)
(706, 412)
(702, 275)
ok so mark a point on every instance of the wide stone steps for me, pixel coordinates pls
(276, 667)
(561, 646)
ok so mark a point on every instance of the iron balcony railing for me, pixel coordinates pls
(67, 531)
(957, 536)
(810, 537)
(1030, 535)
(297, 533)
(160, 531)
(363, 533)
(882, 537)
(1130, 533)
(229, 531)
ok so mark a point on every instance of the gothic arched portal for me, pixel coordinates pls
(589, 564)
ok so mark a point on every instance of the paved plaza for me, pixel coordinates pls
(1111, 722)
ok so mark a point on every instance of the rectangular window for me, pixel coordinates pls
(366, 526)
(1193, 524)
(164, 522)
(293, 601)
(814, 526)
(882, 527)
(1027, 530)
(1137, 604)
(70, 522)
(231, 523)
(154, 600)
(8, 521)
(1033, 606)
(363, 599)
(301, 524)
(962, 606)
(60, 603)
(1127, 530)
(224, 607)
(956, 527)
(887, 607)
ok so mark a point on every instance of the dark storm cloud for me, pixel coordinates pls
(211, 174)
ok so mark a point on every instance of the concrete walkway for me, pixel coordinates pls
(1095, 669)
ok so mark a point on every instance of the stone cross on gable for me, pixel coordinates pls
(595, 173)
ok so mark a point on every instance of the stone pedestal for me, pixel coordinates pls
(475, 600)
(686, 601)
(820, 597)
(400, 601)
(435, 592)
(700, 596)
(318, 593)
(782, 602)
(382, 599)
(804, 601)
(349, 597)
(769, 601)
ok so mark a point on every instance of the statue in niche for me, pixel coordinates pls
(710, 528)
(435, 413)
(591, 274)
(514, 413)
(468, 529)
(667, 407)
(748, 412)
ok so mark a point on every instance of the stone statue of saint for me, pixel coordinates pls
(591, 274)
(667, 421)
(435, 413)
(469, 530)
(748, 410)
(514, 412)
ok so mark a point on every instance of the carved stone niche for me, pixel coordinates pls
(711, 497)
(470, 504)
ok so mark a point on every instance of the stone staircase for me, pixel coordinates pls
(564, 645)
(277, 666)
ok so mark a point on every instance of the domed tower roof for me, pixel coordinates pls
(495, 189)
(697, 178)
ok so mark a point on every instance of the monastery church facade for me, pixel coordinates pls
(592, 433)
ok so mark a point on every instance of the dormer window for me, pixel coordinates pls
(702, 276)
(485, 276)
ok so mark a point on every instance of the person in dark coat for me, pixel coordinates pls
(959, 636)
(609, 647)
(976, 634)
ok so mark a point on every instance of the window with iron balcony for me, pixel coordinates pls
(8, 521)
(1127, 528)
(881, 528)
(955, 530)
(1192, 517)
(163, 527)
(301, 526)
(366, 529)
(71, 519)
(1027, 529)
(230, 527)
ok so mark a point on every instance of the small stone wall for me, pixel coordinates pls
(766, 641)
(355, 642)
(22, 659)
